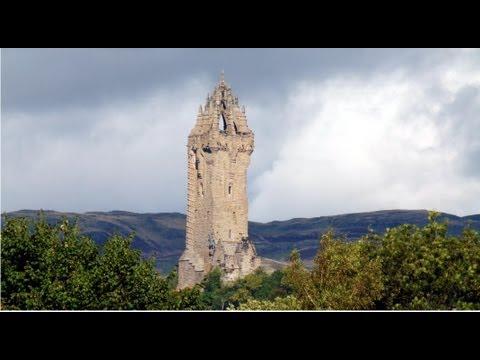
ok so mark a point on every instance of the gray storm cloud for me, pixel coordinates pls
(336, 130)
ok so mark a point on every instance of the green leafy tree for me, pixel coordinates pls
(299, 279)
(344, 276)
(124, 281)
(214, 295)
(53, 267)
(46, 267)
(187, 299)
(424, 268)
(257, 285)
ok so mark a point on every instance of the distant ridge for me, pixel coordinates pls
(162, 235)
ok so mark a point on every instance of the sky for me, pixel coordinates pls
(336, 130)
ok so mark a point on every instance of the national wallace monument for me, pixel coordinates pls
(219, 149)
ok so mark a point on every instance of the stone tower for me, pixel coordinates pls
(219, 149)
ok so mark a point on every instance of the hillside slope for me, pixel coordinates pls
(162, 235)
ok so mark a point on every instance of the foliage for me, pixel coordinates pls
(426, 269)
(53, 267)
(408, 267)
(258, 285)
(344, 276)
(280, 303)
(214, 295)
(298, 278)
(185, 299)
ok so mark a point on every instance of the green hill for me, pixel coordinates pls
(162, 235)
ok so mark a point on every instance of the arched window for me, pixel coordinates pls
(222, 124)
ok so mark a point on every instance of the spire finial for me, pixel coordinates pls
(222, 77)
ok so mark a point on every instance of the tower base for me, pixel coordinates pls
(234, 259)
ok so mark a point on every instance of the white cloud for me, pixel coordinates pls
(121, 156)
(401, 139)
(356, 144)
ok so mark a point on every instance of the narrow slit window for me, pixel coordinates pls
(229, 189)
(222, 124)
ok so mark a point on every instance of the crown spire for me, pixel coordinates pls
(221, 107)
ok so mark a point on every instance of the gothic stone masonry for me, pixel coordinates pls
(219, 149)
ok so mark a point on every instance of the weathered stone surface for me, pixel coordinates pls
(219, 149)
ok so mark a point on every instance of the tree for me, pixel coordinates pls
(53, 267)
(186, 299)
(344, 276)
(123, 280)
(424, 268)
(214, 295)
(299, 279)
(46, 267)
(258, 285)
